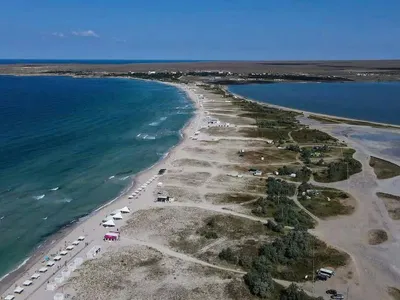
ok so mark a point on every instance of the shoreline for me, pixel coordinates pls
(306, 113)
(36, 255)
(225, 88)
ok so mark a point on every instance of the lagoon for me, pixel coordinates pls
(370, 101)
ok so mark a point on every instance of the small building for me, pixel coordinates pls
(162, 198)
(111, 236)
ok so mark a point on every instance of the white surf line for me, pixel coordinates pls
(181, 256)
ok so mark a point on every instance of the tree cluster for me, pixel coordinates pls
(280, 187)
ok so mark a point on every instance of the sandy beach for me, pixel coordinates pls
(90, 228)
(167, 251)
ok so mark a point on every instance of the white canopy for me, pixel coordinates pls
(125, 210)
(117, 216)
(50, 263)
(57, 258)
(159, 184)
(144, 185)
(75, 243)
(35, 276)
(81, 238)
(9, 297)
(70, 247)
(130, 197)
(107, 219)
(115, 212)
(43, 270)
(63, 252)
(18, 290)
(109, 223)
(139, 189)
(27, 282)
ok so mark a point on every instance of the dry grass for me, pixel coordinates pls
(182, 194)
(377, 236)
(392, 204)
(143, 273)
(187, 178)
(191, 163)
(384, 169)
(225, 198)
(254, 156)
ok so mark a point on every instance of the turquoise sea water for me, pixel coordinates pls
(378, 101)
(69, 145)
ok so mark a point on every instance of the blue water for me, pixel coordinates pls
(378, 101)
(88, 61)
(63, 139)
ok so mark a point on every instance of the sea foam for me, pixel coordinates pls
(39, 197)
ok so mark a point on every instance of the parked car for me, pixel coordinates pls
(332, 292)
(337, 297)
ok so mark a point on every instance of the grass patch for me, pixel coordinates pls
(232, 227)
(384, 169)
(324, 202)
(229, 198)
(341, 169)
(275, 134)
(377, 236)
(271, 155)
(312, 136)
(394, 293)
(392, 203)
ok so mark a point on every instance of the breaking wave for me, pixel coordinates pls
(39, 197)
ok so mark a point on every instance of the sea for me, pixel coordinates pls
(69, 145)
(370, 101)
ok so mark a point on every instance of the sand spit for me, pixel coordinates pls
(167, 250)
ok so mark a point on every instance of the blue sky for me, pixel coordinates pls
(201, 29)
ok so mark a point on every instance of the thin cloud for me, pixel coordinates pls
(58, 34)
(85, 33)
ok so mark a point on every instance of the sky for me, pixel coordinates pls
(200, 29)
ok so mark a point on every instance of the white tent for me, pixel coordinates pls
(117, 216)
(35, 276)
(81, 238)
(27, 282)
(109, 223)
(43, 270)
(9, 297)
(57, 258)
(115, 212)
(107, 219)
(70, 247)
(18, 290)
(75, 243)
(125, 210)
(50, 263)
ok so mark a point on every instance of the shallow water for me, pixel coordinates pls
(69, 145)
